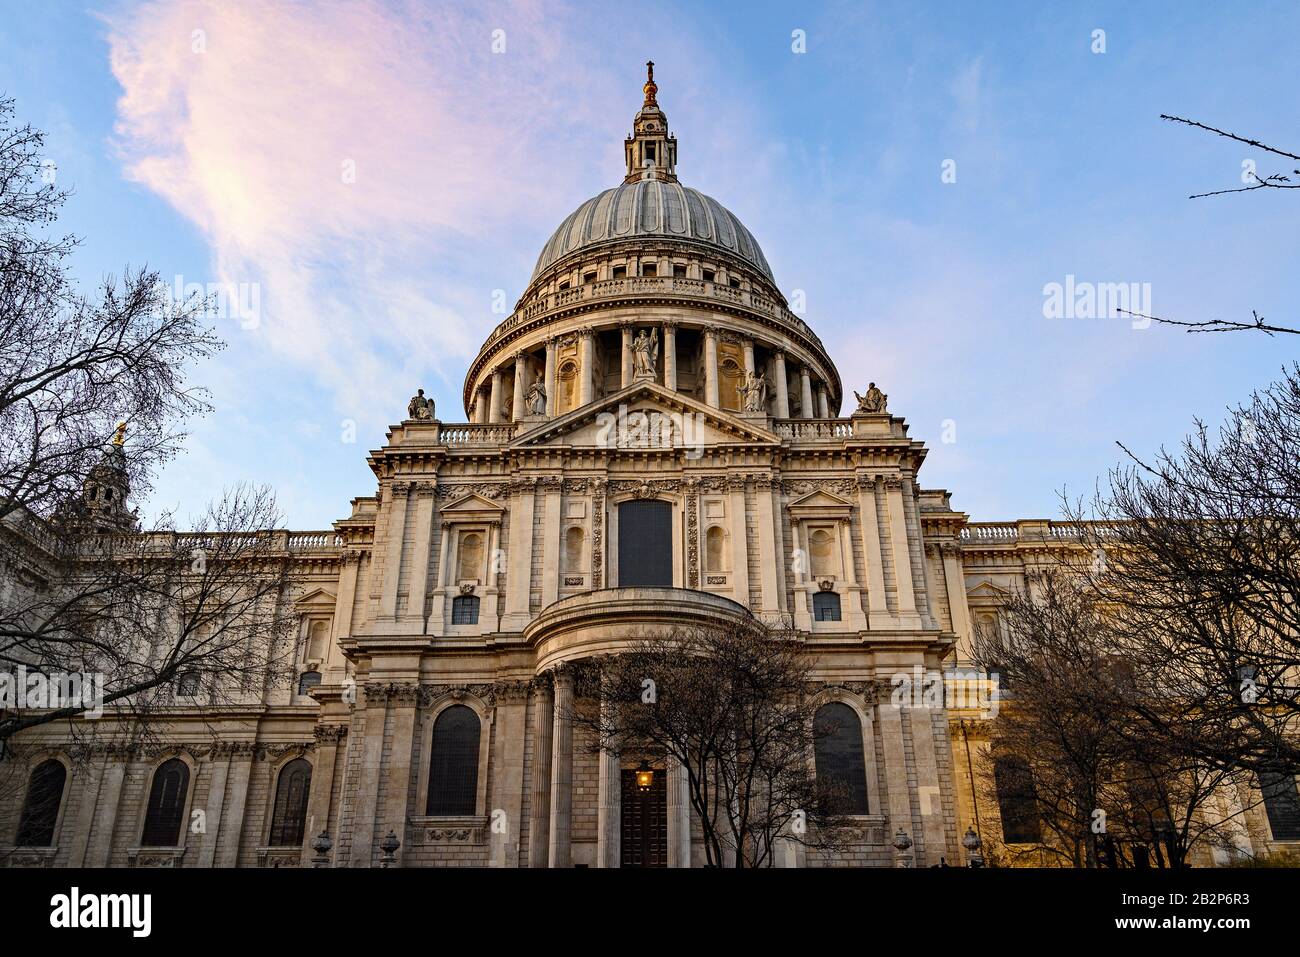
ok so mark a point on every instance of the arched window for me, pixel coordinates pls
(470, 565)
(837, 751)
(826, 606)
(464, 610)
(308, 680)
(1017, 801)
(453, 762)
(166, 813)
(573, 539)
(290, 815)
(820, 558)
(715, 554)
(41, 806)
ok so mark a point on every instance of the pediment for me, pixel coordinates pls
(988, 590)
(316, 598)
(646, 416)
(470, 505)
(820, 502)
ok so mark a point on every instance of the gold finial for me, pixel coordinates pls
(650, 89)
(119, 437)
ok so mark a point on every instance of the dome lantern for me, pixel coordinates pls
(650, 152)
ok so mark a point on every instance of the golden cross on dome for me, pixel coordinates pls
(119, 437)
(650, 89)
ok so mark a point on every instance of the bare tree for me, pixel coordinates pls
(731, 706)
(83, 590)
(1257, 322)
(1201, 549)
(1071, 749)
(205, 615)
(72, 366)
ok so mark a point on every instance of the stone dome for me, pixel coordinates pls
(652, 208)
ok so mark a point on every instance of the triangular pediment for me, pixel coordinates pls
(470, 504)
(642, 415)
(987, 589)
(316, 598)
(820, 500)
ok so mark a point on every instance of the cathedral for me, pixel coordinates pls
(651, 439)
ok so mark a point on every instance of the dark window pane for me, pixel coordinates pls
(308, 680)
(837, 750)
(41, 806)
(290, 815)
(1017, 801)
(464, 610)
(162, 823)
(188, 684)
(1282, 802)
(645, 544)
(826, 606)
(453, 763)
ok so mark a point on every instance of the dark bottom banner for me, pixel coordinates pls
(240, 909)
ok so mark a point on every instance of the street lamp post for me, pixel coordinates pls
(971, 841)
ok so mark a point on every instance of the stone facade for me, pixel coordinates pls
(777, 506)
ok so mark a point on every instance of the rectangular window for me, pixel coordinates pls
(708, 275)
(649, 269)
(679, 271)
(464, 610)
(620, 272)
(588, 278)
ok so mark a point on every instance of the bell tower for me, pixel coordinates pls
(651, 153)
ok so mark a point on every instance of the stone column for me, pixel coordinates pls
(397, 496)
(494, 398)
(337, 668)
(216, 801)
(508, 780)
(402, 702)
(767, 497)
(907, 610)
(748, 347)
(955, 584)
(241, 769)
(520, 568)
(539, 810)
(711, 368)
(874, 606)
(552, 545)
(782, 388)
(679, 815)
(372, 752)
(823, 403)
(897, 802)
(670, 355)
(562, 770)
(609, 808)
(322, 786)
(551, 348)
(418, 586)
(805, 381)
(927, 783)
(521, 386)
(625, 366)
(587, 360)
(739, 539)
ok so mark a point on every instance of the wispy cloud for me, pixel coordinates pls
(346, 157)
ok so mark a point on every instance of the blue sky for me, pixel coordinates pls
(209, 140)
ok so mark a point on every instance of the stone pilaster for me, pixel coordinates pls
(561, 853)
(539, 810)
(711, 391)
(807, 410)
(670, 355)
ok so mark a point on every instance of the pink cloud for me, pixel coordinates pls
(248, 117)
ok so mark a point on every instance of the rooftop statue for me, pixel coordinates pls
(419, 407)
(873, 401)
